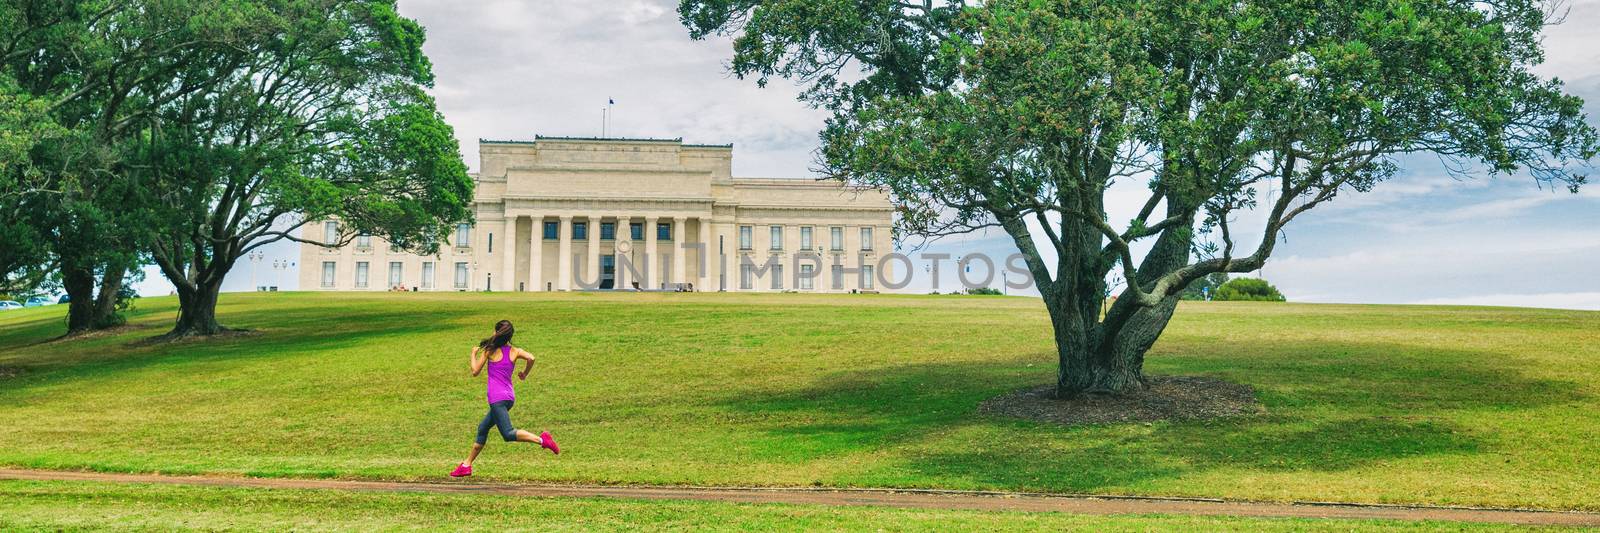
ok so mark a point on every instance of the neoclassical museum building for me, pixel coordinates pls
(565, 213)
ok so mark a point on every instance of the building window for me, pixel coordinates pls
(866, 238)
(552, 230)
(608, 231)
(805, 238)
(394, 273)
(364, 241)
(805, 281)
(463, 235)
(664, 231)
(836, 238)
(330, 232)
(491, 242)
(427, 274)
(461, 275)
(838, 277)
(777, 277)
(361, 274)
(866, 277)
(328, 269)
(747, 276)
(745, 233)
(636, 231)
(777, 238)
(580, 231)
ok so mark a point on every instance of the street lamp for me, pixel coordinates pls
(255, 257)
(278, 266)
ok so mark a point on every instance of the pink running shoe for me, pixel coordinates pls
(549, 443)
(461, 470)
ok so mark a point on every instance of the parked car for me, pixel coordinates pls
(7, 305)
(37, 301)
(64, 299)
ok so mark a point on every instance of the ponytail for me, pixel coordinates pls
(501, 337)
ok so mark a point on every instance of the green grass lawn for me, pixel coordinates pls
(56, 506)
(1438, 405)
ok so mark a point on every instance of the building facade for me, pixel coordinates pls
(563, 213)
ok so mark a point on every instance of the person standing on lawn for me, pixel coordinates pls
(500, 357)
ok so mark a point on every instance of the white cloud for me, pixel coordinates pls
(1411, 268)
(1554, 300)
(1502, 208)
(511, 69)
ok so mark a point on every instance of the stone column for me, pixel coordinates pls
(678, 274)
(508, 247)
(623, 234)
(650, 257)
(536, 254)
(592, 268)
(708, 278)
(564, 251)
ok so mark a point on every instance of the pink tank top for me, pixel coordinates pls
(500, 377)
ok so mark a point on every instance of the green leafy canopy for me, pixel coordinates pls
(1020, 114)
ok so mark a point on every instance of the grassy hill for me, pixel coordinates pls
(1407, 404)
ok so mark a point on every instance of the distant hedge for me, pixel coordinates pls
(1248, 290)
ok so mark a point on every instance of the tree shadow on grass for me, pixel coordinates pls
(1365, 404)
(294, 329)
(1090, 460)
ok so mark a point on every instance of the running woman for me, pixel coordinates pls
(497, 353)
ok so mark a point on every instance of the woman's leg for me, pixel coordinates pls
(483, 436)
(507, 431)
(502, 420)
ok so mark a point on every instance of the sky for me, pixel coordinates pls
(512, 69)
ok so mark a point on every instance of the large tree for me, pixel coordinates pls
(24, 250)
(325, 119)
(96, 69)
(1020, 114)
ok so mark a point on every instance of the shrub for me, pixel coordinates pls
(1248, 289)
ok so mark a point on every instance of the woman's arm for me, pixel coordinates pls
(523, 354)
(477, 362)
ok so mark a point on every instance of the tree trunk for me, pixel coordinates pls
(1109, 365)
(1074, 371)
(105, 313)
(86, 310)
(79, 284)
(1104, 361)
(1110, 359)
(1122, 354)
(197, 311)
(1095, 359)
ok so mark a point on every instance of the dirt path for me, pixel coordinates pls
(982, 501)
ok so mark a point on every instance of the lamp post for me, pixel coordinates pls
(278, 266)
(255, 257)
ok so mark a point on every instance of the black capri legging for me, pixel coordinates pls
(500, 416)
